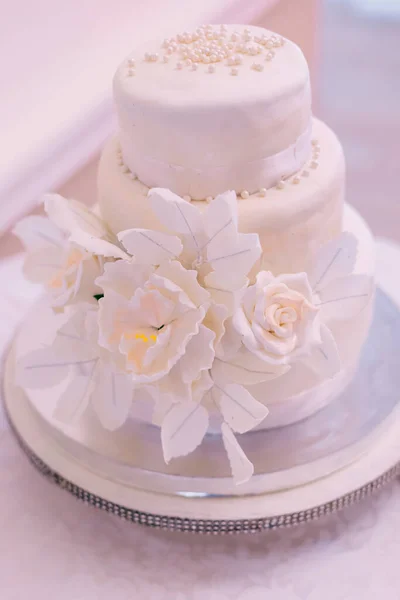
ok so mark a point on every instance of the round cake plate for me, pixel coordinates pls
(208, 513)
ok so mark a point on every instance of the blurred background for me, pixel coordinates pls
(57, 61)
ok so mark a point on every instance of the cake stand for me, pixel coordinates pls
(340, 455)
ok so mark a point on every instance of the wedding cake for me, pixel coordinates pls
(221, 284)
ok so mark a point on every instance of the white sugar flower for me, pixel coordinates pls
(285, 319)
(207, 241)
(277, 320)
(153, 317)
(66, 251)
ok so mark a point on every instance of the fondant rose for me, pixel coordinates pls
(153, 316)
(277, 318)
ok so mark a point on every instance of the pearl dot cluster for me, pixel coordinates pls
(210, 45)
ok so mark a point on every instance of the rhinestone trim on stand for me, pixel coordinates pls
(206, 526)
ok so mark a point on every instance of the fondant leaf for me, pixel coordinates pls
(344, 298)
(41, 369)
(97, 246)
(221, 218)
(112, 397)
(176, 214)
(70, 215)
(150, 247)
(183, 429)
(335, 260)
(233, 257)
(75, 399)
(239, 409)
(242, 468)
(325, 360)
(37, 232)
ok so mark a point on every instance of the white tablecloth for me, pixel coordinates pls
(52, 546)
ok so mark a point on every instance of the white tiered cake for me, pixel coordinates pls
(222, 285)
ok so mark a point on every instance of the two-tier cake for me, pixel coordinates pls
(221, 285)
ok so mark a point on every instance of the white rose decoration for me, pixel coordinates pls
(277, 319)
(153, 317)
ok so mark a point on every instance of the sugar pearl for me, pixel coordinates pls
(262, 191)
(269, 44)
(296, 180)
(131, 62)
(257, 67)
(194, 67)
(131, 72)
(244, 194)
(147, 57)
(280, 185)
(188, 62)
(165, 58)
(209, 199)
(314, 164)
(234, 71)
(270, 55)
(179, 65)
(211, 69)
(187, 198)
(315, 142)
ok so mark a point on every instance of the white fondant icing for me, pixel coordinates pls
(199, 135)
(292, 222)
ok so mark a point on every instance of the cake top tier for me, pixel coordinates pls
(224, 107)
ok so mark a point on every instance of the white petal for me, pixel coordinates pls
(335, 260)
(97, 246)
(150, 247)
(296, 281)
(123, 277)
(238, 407)
(325, 360)
(176, 214)
(199, 355)
(38, 232)
(41, 369)
(183, 429)
(75, 399)
(112, 397)
(41, 265)
(245, 369)
(233, 257)
(186, 279)
(242, 468)
(344, 298)
(69, 215)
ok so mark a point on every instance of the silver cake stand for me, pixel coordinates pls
(348, 450)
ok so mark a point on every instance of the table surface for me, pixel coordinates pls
(55, 547)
